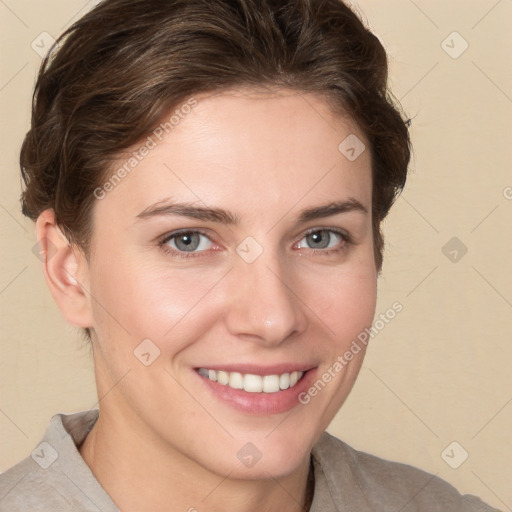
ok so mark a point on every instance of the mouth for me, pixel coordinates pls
(252, 383)
(256, 390)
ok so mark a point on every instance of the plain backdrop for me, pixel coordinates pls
(439, 372)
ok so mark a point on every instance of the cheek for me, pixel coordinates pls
(343, 298)
(346, 307)
(139, 300)
(351, 308)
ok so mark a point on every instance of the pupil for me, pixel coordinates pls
(187, 242)
(319, 240)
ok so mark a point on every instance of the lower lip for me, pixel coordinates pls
(261, 403)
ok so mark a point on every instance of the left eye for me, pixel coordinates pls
(189, 241)
(321, 239)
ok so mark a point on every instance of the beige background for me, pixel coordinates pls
(440, 371)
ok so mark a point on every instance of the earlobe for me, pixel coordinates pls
(66, 271)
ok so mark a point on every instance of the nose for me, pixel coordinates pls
(265, 304)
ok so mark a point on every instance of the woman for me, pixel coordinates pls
(208, 181)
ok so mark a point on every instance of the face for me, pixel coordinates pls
(230, 269)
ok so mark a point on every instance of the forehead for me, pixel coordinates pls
(250, 151)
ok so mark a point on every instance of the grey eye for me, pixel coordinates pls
(189, 241)
(321, 239)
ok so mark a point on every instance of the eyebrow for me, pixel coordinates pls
(166, 207)
(350, 205)
(220, 215)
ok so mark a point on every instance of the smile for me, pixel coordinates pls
(253, 383)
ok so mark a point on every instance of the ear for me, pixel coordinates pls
(66, 271)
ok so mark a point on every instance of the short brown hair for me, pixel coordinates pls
(118, 70)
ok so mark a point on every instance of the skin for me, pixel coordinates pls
(162, 438)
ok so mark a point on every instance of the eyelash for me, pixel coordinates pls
(342, 247)
(182, 254)
(346, 238)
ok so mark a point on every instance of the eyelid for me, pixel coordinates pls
(339, 231)
(163, 240)
(341, 248)
(171, 234)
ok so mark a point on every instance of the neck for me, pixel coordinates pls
(142, 475)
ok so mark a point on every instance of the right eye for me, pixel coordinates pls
(187, 242)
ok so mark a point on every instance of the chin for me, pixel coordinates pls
(272, 464)
(276, 454)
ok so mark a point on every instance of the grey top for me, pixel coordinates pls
(55, 478)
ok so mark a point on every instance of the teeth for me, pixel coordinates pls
(284, 381)
(253, 383)
(236, 381)
(271, 384)
(222, 377)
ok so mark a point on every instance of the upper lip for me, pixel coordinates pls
(253, 369)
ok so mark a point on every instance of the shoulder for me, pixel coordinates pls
(379, 484)
(26, 486)
(54, 477)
